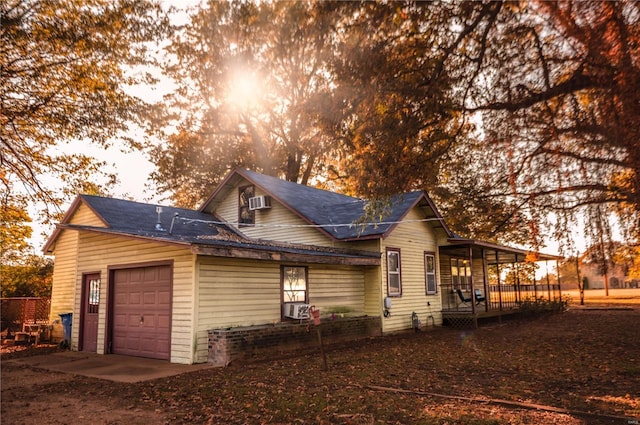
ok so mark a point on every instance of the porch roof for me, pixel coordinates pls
(495, 253)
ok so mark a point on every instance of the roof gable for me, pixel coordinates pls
(159, 222)
(334, 214)
(83, 214)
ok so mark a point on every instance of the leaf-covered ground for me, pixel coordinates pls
(586, 362)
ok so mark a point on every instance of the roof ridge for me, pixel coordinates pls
(276, 180)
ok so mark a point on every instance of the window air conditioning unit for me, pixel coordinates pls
(259, 203)
(296, 311)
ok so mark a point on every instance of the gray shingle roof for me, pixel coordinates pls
(190, 226)
(138, 218)
(328, 209)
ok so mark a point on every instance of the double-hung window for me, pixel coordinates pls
(394, 275)
(294, 284)
(430, 273)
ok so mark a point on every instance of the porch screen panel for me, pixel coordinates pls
(460, 273)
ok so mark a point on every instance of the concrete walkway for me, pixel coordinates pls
(111, 367)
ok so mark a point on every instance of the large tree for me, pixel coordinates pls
(392, 105)
(249, 76)
(396, 91)
(31, 278)
(404, 119)
(65, 68)
(557, 85)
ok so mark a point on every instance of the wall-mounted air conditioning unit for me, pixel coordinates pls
(259, 203)
(296, 311)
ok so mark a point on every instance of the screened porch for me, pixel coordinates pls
(480, 279)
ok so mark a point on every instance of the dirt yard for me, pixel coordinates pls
(580, 367)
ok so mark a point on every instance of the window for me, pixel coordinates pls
(94, 296)
(246, 216)
(430, 272)
(460, 273)
(394, 281)
(294, 284)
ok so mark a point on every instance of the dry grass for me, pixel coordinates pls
(585, 360)
(598, 297)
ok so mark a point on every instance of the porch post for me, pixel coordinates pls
(473, 295)
(558, 278)
(485, 282)
(535, 284)
(548, 281)
(498, 274)
(516, 284)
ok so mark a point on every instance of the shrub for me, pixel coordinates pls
(541, 306)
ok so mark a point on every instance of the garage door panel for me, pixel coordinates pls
(164, 274)
(164, 297)
(150, 297)
(134, 298)
(142, 312)
(164, 321)
(133, 320)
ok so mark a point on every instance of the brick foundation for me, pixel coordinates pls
(226, 345)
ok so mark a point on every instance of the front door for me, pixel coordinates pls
(90, 308)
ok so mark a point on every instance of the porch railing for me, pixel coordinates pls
(502, 297)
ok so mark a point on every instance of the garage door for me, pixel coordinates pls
(142, 312)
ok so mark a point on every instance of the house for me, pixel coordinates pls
(192, 286)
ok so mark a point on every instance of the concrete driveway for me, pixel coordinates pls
(111, 367)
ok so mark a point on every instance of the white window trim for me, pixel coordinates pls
(427, 274)
(394, 251)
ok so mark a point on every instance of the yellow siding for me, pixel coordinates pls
(373, 292)
(86, 217)
(331, 287)
(413, 239)
(235, 293)
(98, 252)
(373, 285)
(477, 271)
(64, 273)
(244, 293)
